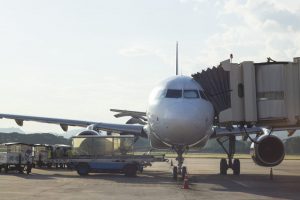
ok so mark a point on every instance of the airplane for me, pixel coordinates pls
(179, 117)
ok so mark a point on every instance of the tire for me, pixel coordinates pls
(83, 169)
(6, 168)
(236, 167)
(183, 172)
(130, 170)
(49, 165)
(223, 166)
(20, 169)
(39, 164)
(175, 173)
(28, 168)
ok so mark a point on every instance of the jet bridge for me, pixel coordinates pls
(263, 94)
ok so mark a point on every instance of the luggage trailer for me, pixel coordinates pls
(46, 155)
(60, 155)
(107, 154)
(42, 155)
(16, 156)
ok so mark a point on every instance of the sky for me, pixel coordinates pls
(77, 59)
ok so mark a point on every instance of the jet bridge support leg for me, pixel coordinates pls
(235, 164)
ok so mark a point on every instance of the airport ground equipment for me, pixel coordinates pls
(16, 156)
(60, 155)
(51, 155)
(43, 154)
(107, 154)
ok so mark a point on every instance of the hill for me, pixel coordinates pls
(292, 144)
(35, 138)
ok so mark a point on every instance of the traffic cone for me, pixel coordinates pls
(271, 174)
(186, 182)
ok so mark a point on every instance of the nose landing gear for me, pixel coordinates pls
(179, 170)
(224, 165)
(176, 172)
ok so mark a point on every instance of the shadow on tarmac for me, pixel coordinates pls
(282, 186)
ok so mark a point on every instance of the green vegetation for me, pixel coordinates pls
(292, 145)
(36, 138)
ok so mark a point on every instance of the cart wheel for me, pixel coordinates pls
(28, 168)
(20, 169)
(6, 168)
(130, 170)
(83, 169)
(49, 165)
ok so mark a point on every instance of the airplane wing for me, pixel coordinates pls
(64, 123)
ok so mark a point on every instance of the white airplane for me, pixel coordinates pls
(179, 117)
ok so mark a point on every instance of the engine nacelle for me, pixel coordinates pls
(267, 151)
(88, 132)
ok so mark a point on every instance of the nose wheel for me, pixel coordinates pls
(176, 172)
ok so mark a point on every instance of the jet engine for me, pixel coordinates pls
(88, 132)
(267, 151)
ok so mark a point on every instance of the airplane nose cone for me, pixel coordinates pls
(185, 124)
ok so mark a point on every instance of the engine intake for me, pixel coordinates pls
(267, 151)
(88, 132)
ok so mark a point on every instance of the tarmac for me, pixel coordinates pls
(156, 183)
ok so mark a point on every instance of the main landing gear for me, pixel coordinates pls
(179, 169)
(233, 164)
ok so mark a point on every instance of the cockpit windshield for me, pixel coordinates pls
(174, 93)
(190, 94)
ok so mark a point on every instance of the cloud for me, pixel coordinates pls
(145, 50)
(136, 51)
(251, 30)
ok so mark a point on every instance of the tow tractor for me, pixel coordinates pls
(108, 154)
(16, 156)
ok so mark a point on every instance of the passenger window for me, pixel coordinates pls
(191, 94)
(203, 95)
(174, 93)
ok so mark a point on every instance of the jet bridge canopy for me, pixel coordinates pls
(266, 94)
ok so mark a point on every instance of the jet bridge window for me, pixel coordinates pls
(173, 93)
(191, 94)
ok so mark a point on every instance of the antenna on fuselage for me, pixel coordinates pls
(176, 58)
